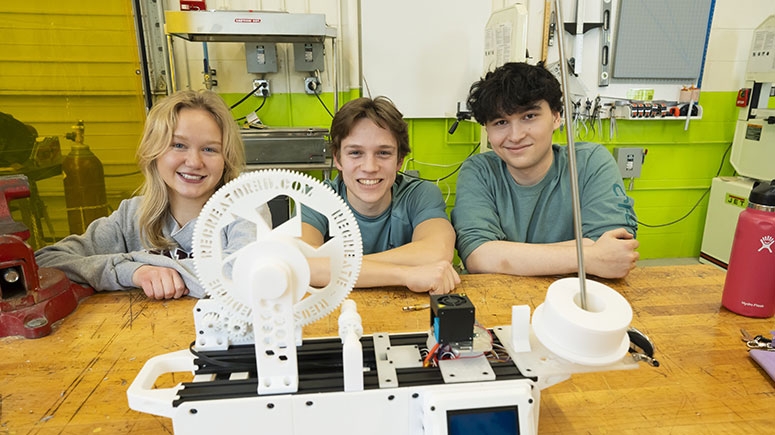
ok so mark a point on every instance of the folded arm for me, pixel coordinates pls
(159, 276)
(99, 257)
(432, 240)
(110, 256)
(423, 265)
(613, 255)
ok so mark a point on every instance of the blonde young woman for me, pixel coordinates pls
(190, 147)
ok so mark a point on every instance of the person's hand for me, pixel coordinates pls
(159, 282)
(613, 255)
(437, 278)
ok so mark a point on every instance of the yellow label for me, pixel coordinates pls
(736, 200)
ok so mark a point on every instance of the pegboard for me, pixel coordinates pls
(661, 39)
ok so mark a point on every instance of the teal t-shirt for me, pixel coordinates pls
(414, 202)
(490, 205)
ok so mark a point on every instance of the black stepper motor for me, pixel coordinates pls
(452, 319)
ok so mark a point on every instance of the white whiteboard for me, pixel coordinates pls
(422, 54)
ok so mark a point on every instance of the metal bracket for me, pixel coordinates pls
(151, 14)
(605, 43)
(386, 370)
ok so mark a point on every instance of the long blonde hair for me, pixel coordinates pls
(157, 137)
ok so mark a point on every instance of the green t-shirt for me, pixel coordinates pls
(490, 205)
(414, 202)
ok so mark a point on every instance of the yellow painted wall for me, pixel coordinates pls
(69, 61)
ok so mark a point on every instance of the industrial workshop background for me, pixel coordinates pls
(79, 60)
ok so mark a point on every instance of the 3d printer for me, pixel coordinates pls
(253, 372)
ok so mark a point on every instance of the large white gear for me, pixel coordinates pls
(274, 248)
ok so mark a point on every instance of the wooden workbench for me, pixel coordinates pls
(75, 380)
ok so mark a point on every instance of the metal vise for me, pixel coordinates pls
(13, 187)
(31, 298)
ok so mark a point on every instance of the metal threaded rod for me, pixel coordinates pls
(574, 179)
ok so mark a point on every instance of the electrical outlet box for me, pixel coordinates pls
(629, 160)
(261, 57)
(312, 85)
(261, 88)
(308, 56)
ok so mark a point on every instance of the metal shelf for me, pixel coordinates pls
(252, 26)
(247, 26)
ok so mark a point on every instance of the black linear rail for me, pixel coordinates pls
(320, 369)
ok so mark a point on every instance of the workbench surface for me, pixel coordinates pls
(75, 379)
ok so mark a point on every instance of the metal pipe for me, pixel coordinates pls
(143, 52)
(335, 66)
(208, 80)
(173, 73)
(574, 179)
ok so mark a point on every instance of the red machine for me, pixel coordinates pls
(31, 298)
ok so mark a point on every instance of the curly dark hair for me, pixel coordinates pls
(512, 88)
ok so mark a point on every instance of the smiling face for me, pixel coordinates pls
(193, 164)
(523, 140)
(367, 161)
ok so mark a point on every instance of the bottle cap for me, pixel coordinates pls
(763, 193)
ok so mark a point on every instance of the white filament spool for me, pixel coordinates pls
(596, 336)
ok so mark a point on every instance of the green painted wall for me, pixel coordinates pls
(677, 173)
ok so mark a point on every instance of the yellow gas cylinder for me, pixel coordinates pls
(84, 183)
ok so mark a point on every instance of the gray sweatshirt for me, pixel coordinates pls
(108, 253)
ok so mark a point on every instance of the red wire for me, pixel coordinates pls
(430, 355)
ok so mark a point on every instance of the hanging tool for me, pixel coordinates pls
(605, 43)
(612, 129)
(208, 72)
(547, 26)
(577, 29)
(578, 40)
(462, 114)
(552, 28)
(595, 120)
(689, 112)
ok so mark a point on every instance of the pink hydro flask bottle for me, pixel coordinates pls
(749, 288)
